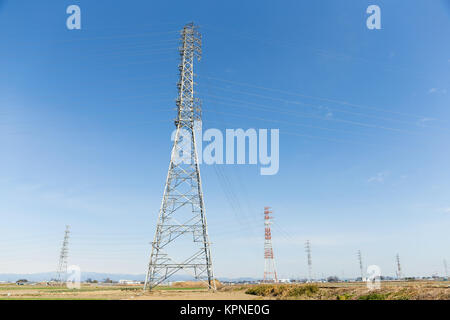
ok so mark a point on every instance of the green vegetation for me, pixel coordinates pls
(308, 290)
(345, 296)
(283, 290)
(374, 296)
(402, 294)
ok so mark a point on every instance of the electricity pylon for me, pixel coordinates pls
(62, 264)
(445, 269)
(270, 273)
(308, 254)
(182, 213)
(399, 268)
(360, 265)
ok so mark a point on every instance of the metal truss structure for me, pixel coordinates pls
(399, 268)
(445, 269)
(270, 273)
(181, 229)
(308, 254)
(360, 265)
(63, 256)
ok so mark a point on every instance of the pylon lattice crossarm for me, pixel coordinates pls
(182, 210)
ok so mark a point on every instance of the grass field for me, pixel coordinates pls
(407, 290)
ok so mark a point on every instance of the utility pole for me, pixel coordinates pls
(361, 265)
(181, 229)
(62, 264)
(308, 254)
(270, 273)
(399, 268)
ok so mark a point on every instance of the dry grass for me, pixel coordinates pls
(284, 291)
(195, 284)
(419, 290)
(408, 290)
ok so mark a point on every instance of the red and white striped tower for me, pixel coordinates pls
(270, 274)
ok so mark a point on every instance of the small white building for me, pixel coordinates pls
(129, 282)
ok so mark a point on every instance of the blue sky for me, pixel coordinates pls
(364, 118)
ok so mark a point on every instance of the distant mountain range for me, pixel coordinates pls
(47, 276)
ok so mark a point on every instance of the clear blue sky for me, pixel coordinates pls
(364, 119)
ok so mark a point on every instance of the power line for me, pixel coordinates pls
(315, 106)
(313, 97)
(124, 36)
(356, 123)
(296, 123)
(318, 51)
(299, 134)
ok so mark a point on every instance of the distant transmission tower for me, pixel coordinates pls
(62, 265)
(182, 213)
(308, 254)
(270, 274)
(360, 265)
(445, 268)
(399, 268)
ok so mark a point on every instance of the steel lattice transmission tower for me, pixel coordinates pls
(270, 273)
(308, 254)
(445, 269)
(181, 229)
(62, 264)
(399, 268)
(360, 265)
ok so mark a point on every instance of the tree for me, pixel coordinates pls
(107, 280)
(333, 279)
